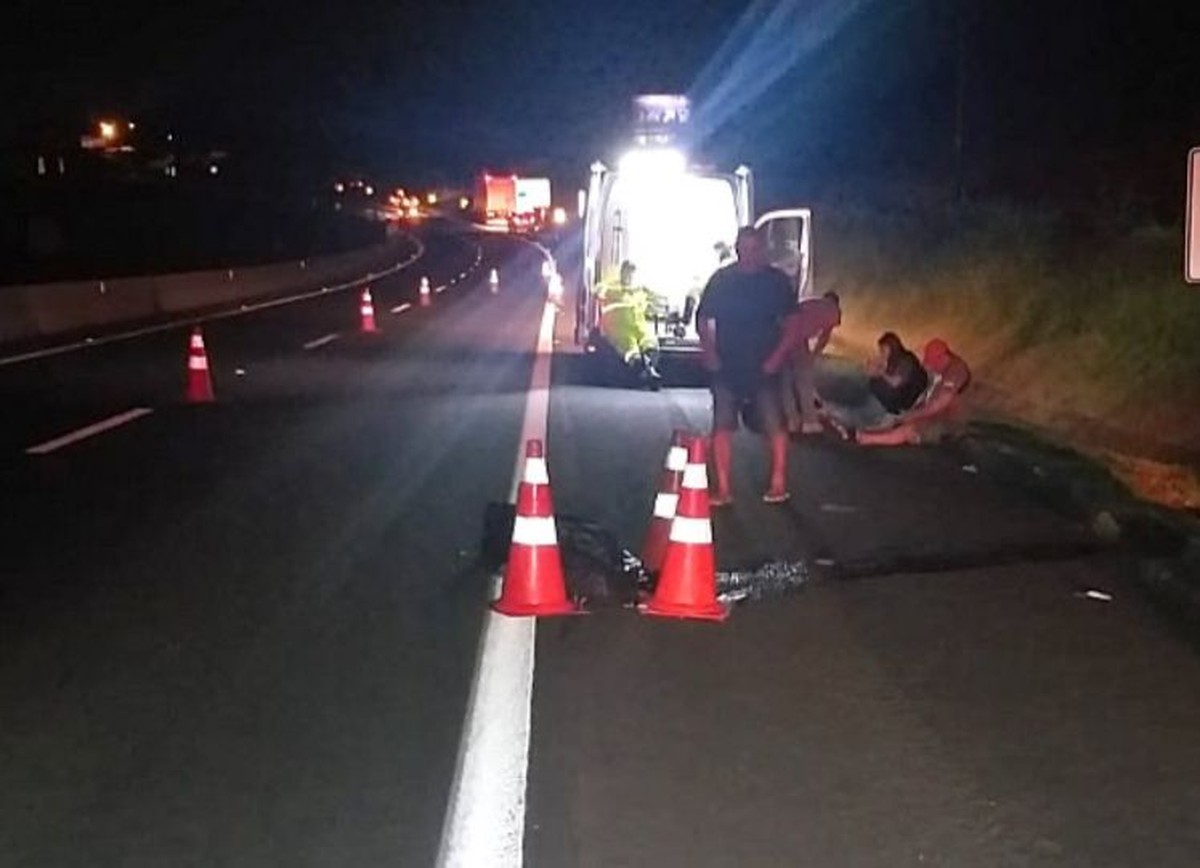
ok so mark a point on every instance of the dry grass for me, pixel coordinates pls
(1171, 485)
(1096, 338)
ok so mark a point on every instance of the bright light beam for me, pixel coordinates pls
(770, 39)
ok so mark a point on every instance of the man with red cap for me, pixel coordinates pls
(939, 412)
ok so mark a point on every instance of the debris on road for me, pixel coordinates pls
(603, 574)
(598, 569)
(1106, 526)
(838, 508)
(772, 579)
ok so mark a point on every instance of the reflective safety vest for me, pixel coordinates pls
(625, 318)
(616, 295)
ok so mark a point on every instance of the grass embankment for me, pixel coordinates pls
(1091, 335)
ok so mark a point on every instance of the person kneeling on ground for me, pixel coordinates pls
(940, 413)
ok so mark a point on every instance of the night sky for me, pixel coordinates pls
(803, 89)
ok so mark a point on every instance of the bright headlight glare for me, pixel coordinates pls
(656, 161)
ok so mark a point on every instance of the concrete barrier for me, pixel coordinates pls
(48, 309)
(65, 307)
(16, 321)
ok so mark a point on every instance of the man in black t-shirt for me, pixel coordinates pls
(744, 346)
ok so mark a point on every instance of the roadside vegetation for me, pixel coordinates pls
(1080, 328)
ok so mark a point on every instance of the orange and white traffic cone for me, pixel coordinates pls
(426, 293)
(199, 382)
(687, 586)
(654, 549)
(494, 281)
(533, 577)
(366, 309)
(554, 288)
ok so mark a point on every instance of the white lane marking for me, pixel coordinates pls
(441, 288)
(89, 431)
(180, 323)
(322, 341)
(401, 308)
(485, 821)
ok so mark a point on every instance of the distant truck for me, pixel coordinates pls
(513, 202)
(676, 222)
(496, 198)
(533, 204)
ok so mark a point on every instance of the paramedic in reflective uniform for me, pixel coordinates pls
(625, 323)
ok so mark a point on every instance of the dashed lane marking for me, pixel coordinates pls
(322, 341)
(89, 431)
(401, 308)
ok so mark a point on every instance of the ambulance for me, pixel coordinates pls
(675, 220)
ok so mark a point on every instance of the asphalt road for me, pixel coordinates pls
(246, 633)
(946, 692)
(242, 634)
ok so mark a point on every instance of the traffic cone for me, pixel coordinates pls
(366, 309)
(554, 288)
(426, 297)
(654, 549)
(533, 577)
(494, 281)
(199, 382)
(687, 586)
